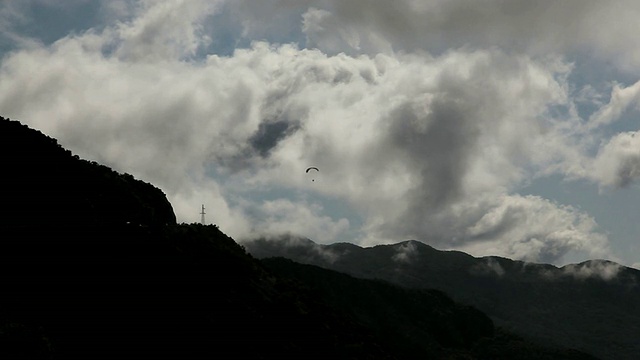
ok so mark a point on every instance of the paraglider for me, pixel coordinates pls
(310, 169)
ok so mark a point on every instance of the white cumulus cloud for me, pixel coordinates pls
(424, 118)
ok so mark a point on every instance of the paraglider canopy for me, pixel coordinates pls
(312, 168)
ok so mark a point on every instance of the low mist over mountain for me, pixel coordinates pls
(593, 306)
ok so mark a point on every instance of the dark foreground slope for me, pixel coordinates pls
(593, 306)
(43, 183)
(182, 291)
(190, 292)
(123, 280)
(105, 272)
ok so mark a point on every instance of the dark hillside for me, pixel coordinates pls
(184, 291)
(109, 274)
(411, 321)
(40, 176)
(593, 306)
(417, 321)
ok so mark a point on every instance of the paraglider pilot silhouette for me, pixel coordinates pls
(312, 168)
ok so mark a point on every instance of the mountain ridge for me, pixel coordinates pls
(593, 306)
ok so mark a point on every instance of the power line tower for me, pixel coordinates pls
(202, 215)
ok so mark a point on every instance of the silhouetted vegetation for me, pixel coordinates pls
(48, 185)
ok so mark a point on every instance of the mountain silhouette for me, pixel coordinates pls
(593, 306)
(41, 177)
(106, 272)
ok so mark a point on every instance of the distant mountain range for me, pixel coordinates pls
(106, 272)
(593, 306)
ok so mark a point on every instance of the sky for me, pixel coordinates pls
(496, 127)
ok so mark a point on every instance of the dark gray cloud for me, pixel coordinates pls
(629, 171)
(618, 161)
(538, 28)
(269, 134)
(438, 145)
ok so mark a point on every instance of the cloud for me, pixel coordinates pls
(13, 15)
(618, 161)
(621, 99)
(603, 31)
(422, 143)
(30, 23)
(604, 270)
(272, 218)
(405, 252)
(489, 267)
(166, 30)
(291, 243)
(533, 229)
